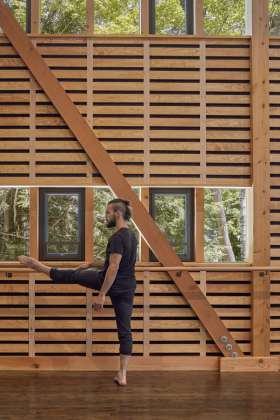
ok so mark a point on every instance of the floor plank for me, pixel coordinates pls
(149, 395)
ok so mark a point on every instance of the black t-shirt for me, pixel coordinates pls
(124, 242)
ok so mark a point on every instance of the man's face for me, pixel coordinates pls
(110, 216)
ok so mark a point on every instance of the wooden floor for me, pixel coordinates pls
(154, 395)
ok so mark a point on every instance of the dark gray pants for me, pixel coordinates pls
(122, 302)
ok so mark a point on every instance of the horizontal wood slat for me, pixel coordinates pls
(62, 327)
(119, 113)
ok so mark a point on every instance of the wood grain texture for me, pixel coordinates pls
(113, 177)
(180, 395)
(261, 177)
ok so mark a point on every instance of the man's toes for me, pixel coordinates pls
(119, 381)
(22, 259)
(25, 260)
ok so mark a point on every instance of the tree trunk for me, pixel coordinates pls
(223, 224)
(243, 229)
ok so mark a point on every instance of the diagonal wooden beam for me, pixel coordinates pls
(117, 181)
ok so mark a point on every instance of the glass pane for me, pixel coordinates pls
(101, 233)
(19, 10)
(170, 214)
(63, 224)
(14, 223)
(63, 17)
(117, 16)
(170, 16)
(226, 225)
(274, 17)
(224, 17)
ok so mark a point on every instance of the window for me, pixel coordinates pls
(227, 224)
(274, 17)
(14, 223)
(63, 17)
(172, 209)
(61, 223)
(224, 17)
(117, 16)
(171, 16)
(101, 233)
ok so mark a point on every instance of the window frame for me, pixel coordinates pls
(43, 223)
(28, 16)
(190, 219)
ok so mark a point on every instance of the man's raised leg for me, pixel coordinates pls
(84, 277)
(35, 264)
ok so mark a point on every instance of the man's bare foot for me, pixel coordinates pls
(120, 379)
(29, 261)
(33, 263)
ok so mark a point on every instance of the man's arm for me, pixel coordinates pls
(111, 272)
(110, 277)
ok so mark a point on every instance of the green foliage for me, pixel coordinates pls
(117, 16)
(274, 17)
(14, 223)
(221, 17)
(170, 210)
(214, 245)
(224, 17)
(67, 16)
(170, 17)
(19, 9)
(63, 223)
(110, 16)
(170, 217)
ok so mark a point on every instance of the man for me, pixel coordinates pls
(117, 278)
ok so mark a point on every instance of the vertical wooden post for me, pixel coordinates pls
(199, 225)
(90, 167)
(261, 184)
(202, 112)
(89, 224)
(90, 16)
(144, 17)
(33, 16)
(32, 126)
(198, 18)
(33, 222)
(203, 334)
(88, 258)
(144, 246)
(89, 314)
(31, 315)
(146, 315)
(33, 252)
(261, 313)
(147, 112)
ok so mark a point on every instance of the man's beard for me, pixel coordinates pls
(111, 223)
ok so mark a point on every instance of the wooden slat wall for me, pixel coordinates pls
(182, 141)
(56, 317)
(275, 313)
(274, 64)
(195, 102)
(274, 67)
